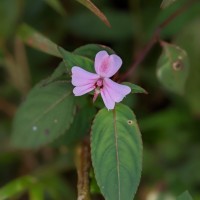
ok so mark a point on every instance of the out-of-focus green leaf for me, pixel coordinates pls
(36, 192)
(135, 88)
(94, 188)
(56, 5)
(9, 12)
(36, 40)
(71, 59)
(166, 3)
(116, 148)
(43, 179)
(189, 40)
(173, 68)
(95, 10)
(121, 22)
(57, 188)
(63, 162)
(17, 186)
(90, 50)
(59, 72)
(161, 120)
(46, 114)
(185, 196)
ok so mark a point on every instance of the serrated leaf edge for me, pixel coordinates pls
(63, 131)
(141, 149)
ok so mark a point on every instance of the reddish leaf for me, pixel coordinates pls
(95, 10)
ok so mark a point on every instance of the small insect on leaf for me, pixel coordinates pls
(173, 68)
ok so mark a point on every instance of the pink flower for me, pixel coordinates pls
(105, 66)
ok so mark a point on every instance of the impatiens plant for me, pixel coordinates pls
(116, 145)
(83, 109)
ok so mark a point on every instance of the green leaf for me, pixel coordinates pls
(79, 128)
(46, 114)
(135, 88)
(59, 73)
(185, 196)
(36, 40)
(95, 10)
(116, 148)
(83, 57)
(166, 3)
(90, 50)
(71, 59)
(58, 188)
(173, 68)
(57, 6)
(36, 192)
(94, 188)
(9, 13)
(192, 94)
(17, 186)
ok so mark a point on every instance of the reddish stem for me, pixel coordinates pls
(154, 39)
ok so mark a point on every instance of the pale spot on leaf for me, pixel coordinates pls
(178, 65)
(34, 128)
(130, 122)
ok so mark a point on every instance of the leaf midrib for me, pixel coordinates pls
(48, 109)
(117, 152)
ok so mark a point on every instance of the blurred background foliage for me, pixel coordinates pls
(169, 122)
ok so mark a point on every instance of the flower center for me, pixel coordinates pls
(99, 83)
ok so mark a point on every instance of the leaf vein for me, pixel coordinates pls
(50, 107)
(117, 153)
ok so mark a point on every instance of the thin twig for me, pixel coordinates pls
(154, 39)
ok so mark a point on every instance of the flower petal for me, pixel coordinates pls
(82, 77)
(81, 90)
(116, 91)
(108, 101)
(107, 65)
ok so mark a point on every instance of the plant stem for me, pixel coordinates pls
(154, 39)
(83, 164)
